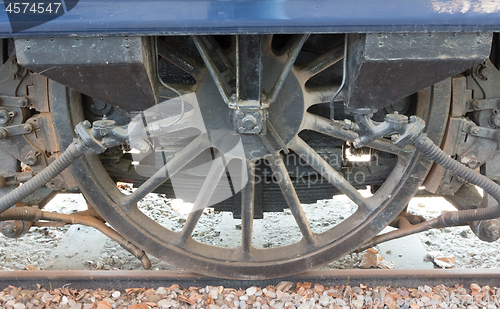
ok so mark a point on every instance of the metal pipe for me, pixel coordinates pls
(300, 39)
(424, 145)
(451, 218)
(34, 214)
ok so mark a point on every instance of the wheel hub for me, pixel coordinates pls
(284, 115)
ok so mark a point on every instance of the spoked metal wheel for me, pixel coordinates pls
(208, 114)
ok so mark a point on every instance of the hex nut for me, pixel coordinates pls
(3, 133)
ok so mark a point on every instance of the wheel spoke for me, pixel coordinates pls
(247, 207)
(208, 54)
(208, 187)
(297, 41)
(320, 95)
(312, 158)
(179, 59)
(334, 129)
(322, 62)
(181, 159)
(285, 183)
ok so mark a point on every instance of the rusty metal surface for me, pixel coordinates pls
(151, 279)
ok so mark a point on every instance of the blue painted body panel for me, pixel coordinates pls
(154, 17)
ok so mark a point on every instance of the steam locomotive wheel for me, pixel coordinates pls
(289, 115)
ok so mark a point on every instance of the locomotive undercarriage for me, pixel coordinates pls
(268, 97)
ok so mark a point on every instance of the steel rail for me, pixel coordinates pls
(123, 279)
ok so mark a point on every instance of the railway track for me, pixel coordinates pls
(120, 280)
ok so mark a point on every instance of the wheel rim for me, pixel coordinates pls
(313, 250)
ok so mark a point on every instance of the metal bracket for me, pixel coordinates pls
(250, 115)
(403, 131)
(18, 129)
(483, 132)
(13, 101)
(101, 135)
(251, 121)
(219, 67)
(478, 105)
(15, 178)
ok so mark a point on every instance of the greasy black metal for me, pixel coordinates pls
(286, 114)
(288, 191)
(378, 62)
(249, 71)
(124, 279)
(117, 70)
(292, 52)
(180, 60)
(247, 208)
(219, 66)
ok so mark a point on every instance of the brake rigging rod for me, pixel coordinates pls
(404, 131)
(97, 137)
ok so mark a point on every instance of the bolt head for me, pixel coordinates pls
(249, 122)
(495, 120)
(241, 115)
(28, 127)
(396, 118)
(476, 104)
(14, 68)
(347, 124)
(241, 130)
(30, 160)
(4, 117)
(99, 105)
(490, 229)
(3, 134)
(357, 143)
(86, 124)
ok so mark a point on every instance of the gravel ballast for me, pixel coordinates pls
(303, 295)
